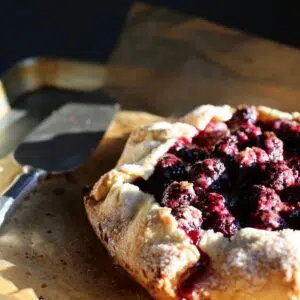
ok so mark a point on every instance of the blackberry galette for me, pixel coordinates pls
(207, 207)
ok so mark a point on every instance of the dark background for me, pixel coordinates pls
(89, 30)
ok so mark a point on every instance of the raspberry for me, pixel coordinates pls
(209, 173)
(216, 216)
(170, 167)
(243, 115)
(273, 146)
(261, 208)
(178, 194)
(190, 220)
(212, 134)
(267, 220)
(278, 176)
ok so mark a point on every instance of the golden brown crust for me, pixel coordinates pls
(145, 239)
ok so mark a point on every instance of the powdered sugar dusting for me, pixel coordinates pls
(254, 255)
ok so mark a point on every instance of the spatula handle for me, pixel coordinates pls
(22, 186)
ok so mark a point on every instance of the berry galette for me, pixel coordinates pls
(207, 207)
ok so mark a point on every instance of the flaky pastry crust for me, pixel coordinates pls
(144, 237)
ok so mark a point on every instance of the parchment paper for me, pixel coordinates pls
(50, 241)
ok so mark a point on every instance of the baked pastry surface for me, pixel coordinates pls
(177, 252)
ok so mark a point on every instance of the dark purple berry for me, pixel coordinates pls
(293, 218)
(288, 131)
(251, 157)
(278, 176)
(247, 135)
(192, 153)
(180, 143)
(178, 194)
(267, 220)
(243, 115)
(261, 197)
(190, 220)
(294, 164)
(170, 167)
(272, 145)
(208, 172)
(216, 216)
(227, 147)
(211, 135)
(291, 194)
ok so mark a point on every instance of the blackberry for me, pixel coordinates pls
(170, 167)
(178, 194)
(243, 115)
(209, 173)
(278, 176)
(272, 145)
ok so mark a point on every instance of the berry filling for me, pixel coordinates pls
(192, 279)
(231, 175)
(204, 180)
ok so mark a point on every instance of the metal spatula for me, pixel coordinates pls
(61, 143)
